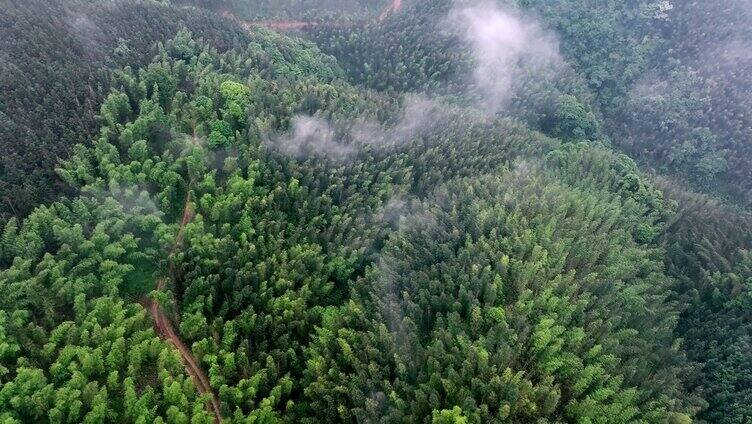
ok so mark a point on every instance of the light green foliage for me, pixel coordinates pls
(453, 416)
(220, 134)
(498, 298)
(476, 271)
(116, 109)
(574, 121)
(158, 84)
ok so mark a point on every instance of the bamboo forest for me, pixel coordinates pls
(376, 211)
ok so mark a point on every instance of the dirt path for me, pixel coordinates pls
(161, 322)
(165, 329)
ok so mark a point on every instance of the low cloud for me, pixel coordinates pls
(392, 211)
(134, 199)
(392, 280)
(506, 46)
(418, 115)
(314, 137)
(86, 33)
(311, 136)
(735, 52)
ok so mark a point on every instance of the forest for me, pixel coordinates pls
(397, 211)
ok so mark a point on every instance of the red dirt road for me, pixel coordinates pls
(286, 25)
(161, 323)
(165, 329)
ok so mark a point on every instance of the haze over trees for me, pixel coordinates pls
(434, 211)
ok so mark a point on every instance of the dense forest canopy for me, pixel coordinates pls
(419, 211)
(56, 58)
(292, 9)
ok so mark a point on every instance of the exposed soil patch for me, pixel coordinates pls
(166, 330)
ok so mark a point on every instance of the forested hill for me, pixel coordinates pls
(449, 213)
(55, 58)
(670, 78)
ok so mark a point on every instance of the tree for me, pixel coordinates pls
(453, 416)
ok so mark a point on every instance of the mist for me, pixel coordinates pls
(134, 199)
(394, 209)
(505, 47)
(85, 32)
(311, 136)
(416, 117)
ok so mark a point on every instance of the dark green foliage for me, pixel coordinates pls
(53, 78)
(574, 121)
(672, 79)
(407, 52)
(708, 252)
(460, 268)
(498, 297)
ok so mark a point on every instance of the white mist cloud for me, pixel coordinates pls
(418, 115)
(134, 199)
(505, 46)
(88, 35)
(312, 136)
(392, 211)
(391, 280)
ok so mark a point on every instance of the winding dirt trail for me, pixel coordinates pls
(161, 323)
(165, 329)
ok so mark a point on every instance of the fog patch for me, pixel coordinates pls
(506, 46)
(311, 136)
(418, 116)
(391, 293)
(737, 51)
(134, 200)
(508, 49)
(392, 211)
(390, 305)
(85, 32)
(650, 87)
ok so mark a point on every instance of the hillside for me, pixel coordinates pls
(452, 212)
(55, 74)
